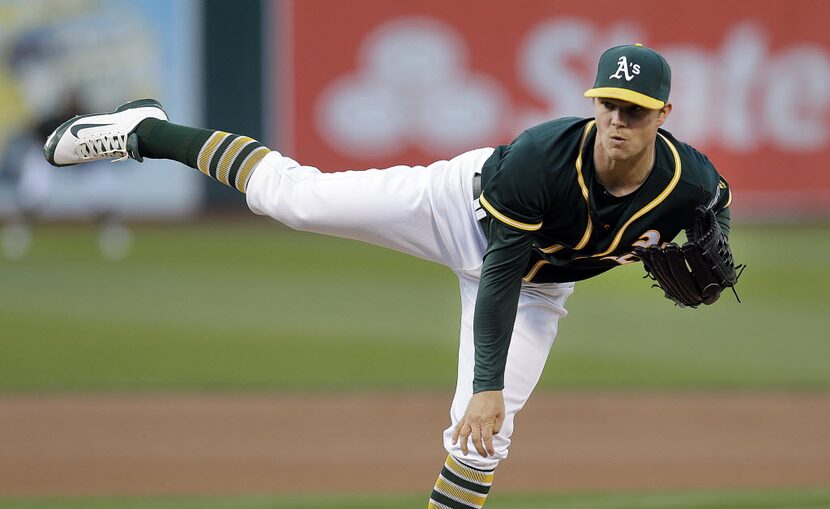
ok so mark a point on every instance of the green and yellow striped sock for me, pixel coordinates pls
(460, 486)
(228, 158)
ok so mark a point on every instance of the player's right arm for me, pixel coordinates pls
(515, 199)
(497, 301)
(495, 314)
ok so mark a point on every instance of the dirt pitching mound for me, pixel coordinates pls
(140, 444)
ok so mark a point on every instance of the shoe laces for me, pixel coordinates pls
(104, 146)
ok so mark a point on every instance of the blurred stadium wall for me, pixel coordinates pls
(373, 83)
(361, 83)
(61, 57)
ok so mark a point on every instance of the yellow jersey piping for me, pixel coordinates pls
(581, 180)
(552, 249)
(532, 273)
(506, 220)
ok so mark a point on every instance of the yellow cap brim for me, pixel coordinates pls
(624, 94)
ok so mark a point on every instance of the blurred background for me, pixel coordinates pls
(123, 280)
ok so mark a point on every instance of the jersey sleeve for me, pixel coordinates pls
(506, 257)
(722, 206)
(718, 192)
(721, 193)
(514, 193)
(724, 221)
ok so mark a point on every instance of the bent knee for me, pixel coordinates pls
(473, 459)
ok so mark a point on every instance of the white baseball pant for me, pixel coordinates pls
(428, 212)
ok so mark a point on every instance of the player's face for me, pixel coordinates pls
(625, 130)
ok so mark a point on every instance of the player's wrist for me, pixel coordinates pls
(487, 386)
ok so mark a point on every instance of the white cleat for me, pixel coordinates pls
(94, 137)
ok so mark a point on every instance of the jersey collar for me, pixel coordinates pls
(588, 134)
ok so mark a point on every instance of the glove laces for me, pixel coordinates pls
(740, 270)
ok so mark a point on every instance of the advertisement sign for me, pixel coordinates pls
(371, 84)
(58, 59)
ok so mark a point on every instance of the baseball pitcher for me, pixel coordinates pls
(519, 224)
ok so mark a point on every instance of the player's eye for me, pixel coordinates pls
(636, 111)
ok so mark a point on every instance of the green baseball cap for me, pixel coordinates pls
(635, 74)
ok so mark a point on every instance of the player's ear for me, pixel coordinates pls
(663, 113)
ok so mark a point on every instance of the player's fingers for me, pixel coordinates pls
(477, 441)
(464, 437)
(457, 431)
(487, 440)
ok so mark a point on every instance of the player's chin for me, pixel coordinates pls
(618, 153)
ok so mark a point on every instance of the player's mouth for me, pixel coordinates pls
(617, 139)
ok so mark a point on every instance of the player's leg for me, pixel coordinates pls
(464, 481)
(140, 129)
(423, 211)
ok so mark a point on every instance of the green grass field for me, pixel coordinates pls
(227, 306)
(252, 306)
(783, 499)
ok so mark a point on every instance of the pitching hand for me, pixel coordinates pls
(483, 419)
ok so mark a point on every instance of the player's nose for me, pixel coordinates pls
(617, 118)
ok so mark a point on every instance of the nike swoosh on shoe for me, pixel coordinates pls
(75, 129)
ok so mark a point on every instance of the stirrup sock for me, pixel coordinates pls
(226, 157)
(460, 486)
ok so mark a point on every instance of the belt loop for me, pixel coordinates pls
(479, 210)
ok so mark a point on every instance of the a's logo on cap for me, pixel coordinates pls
(622, 70)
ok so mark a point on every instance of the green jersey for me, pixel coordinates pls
(549, 220)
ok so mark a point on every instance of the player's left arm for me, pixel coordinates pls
(697, 272)
(720, 204)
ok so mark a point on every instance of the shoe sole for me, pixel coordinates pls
(52, 142)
